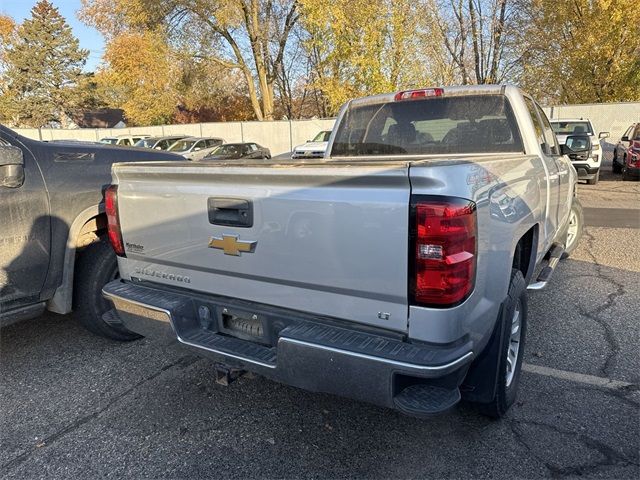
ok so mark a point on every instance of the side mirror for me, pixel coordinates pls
(624, 139)
(604, 135)
(158, 148)
(575, 144)
(197, 149)
(11, 167)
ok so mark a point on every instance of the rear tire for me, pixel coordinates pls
(575, 228)
(625, 174)
(512, 330)
(95, 267)
(614, 165)
(594, 180)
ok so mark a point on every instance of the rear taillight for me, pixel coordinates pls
(113, 219)
(422, 93)
(442, 250)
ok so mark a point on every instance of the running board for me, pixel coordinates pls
(553, 257)
(426, 400)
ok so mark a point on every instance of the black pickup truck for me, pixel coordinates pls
(53, 250)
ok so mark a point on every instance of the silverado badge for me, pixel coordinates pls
(231, 245)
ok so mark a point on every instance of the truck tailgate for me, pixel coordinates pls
(329, 239)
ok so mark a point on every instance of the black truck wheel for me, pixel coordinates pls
(615, 166)
(492, 382)
(95, 267)
(574, 229)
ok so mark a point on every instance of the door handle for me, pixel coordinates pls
(230, 212)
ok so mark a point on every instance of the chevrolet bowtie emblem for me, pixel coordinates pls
(230, 245)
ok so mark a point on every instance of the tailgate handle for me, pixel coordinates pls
(231, 212)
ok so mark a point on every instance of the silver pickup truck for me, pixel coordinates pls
(394, 270)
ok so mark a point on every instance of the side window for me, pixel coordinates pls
(548, 133)
(126, 142)
(636, 135)
(253, 147)
(536, 125)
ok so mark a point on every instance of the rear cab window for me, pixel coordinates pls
(571, 128)
(550, 137)
(443, 125)
(537, 125)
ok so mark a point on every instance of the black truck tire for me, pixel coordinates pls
(615, 166)
(576, 222)
(95, 267)
(506, 387)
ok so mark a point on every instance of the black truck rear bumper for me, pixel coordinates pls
(298, 349)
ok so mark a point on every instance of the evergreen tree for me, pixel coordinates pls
(43, 67)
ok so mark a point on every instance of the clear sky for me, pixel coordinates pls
(89, 37)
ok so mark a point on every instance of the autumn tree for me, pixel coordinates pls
(43, 63)
(7, 31)
(140, 77)
(582, 51)
(253, 34)
(362, 47)
(481, 38)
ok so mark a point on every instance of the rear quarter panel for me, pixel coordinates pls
(510, 195)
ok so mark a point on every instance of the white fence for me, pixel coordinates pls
(282, 136)
(278, 136)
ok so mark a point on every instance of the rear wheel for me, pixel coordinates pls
(512, 330)
(614, 165)
(574, 229)
(95, 267)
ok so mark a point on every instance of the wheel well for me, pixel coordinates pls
(91, 231)
(524, 253)
(86, 229)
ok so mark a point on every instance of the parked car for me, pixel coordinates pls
(313, 148)
(195, 148)
(626, 154)
(123, 140)
(159, 143)
(382, 272)
(53, 227)
(231, 151)
(588, 169)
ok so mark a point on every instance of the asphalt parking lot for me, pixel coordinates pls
(76, 406)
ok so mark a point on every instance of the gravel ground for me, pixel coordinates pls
(76, 406)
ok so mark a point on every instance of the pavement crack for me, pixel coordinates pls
(610, 456)
(594, 314)
(182, 362)
(621, 394)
